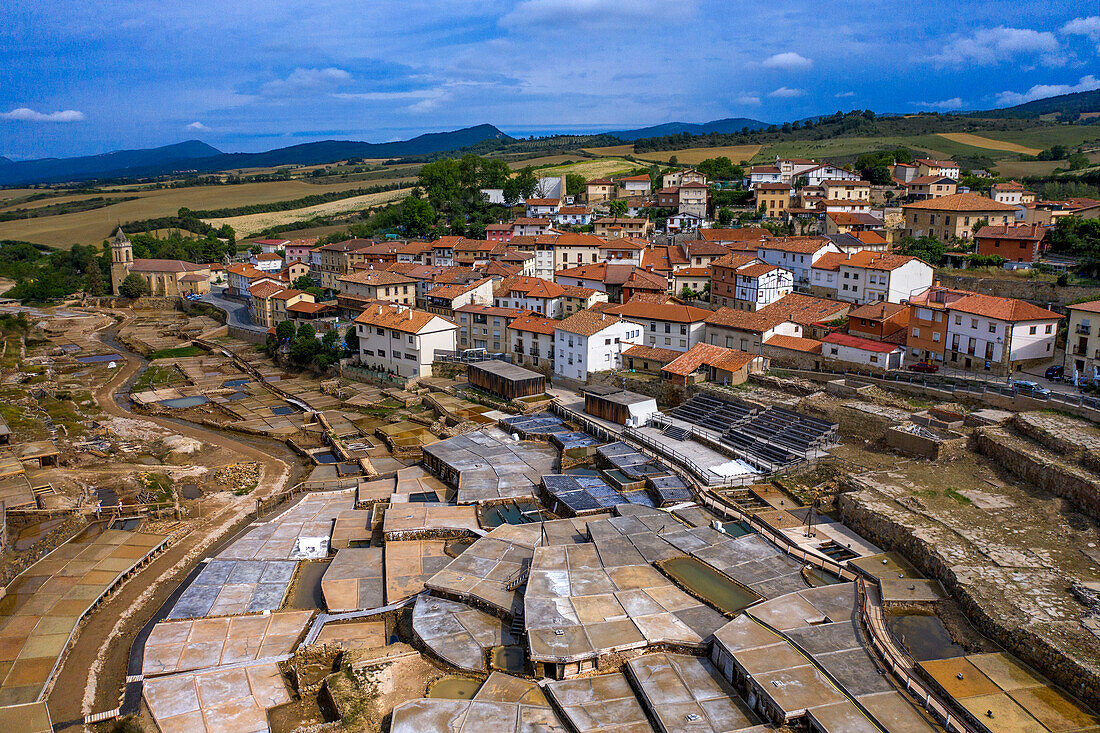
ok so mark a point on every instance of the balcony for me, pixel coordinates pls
(534, 352)
(1079, 350)
(1083, 330)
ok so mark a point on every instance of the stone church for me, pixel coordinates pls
(171, 278)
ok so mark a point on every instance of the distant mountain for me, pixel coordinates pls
(195, 156)
(1072, 106)
(728, 125)
(107, 165)
(328, 151)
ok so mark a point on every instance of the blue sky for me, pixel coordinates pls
(80, 77)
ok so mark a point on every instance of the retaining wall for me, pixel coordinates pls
(890, 534)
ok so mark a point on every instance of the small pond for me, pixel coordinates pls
(284, 410)
(924, 636)
(181, 402)
(236, 396)
(425, 497)
(722, 592)
(509, 659)
(454, 687)
(514, 512)
(818, 577)
(736, 529)
(324, 457)
(236, 382)
(98, 358)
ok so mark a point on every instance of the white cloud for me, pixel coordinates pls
(306, 81)
(953, 103)
(1088, 27)
(749, 99)
(785, 93)
(789, 61)
(1042, 91)
(997, 45)
(845, 95)
(26, 114)
(197, 126)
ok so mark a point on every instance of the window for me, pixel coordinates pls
(1033, 330)
(607, 342)
(973, 322)
(381, 352)
(411, 339)
(381, 332)
(993, 328)
(936, 337)
(1049, 327)
(958, 320)
(916, 333)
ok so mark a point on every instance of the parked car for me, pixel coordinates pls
(923, 366)
(1031, 389)
(1055, 373)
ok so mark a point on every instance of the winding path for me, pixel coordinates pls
(94, 671)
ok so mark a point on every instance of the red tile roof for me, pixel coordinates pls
(653, 353)
(855, 342)
(1002, 309)
(661, 312)
(960, 202)
(533, 324)
(729, 360)
(794, 343)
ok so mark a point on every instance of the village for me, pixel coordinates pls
(580, 475)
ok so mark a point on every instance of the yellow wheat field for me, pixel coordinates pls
(978, 141)
(249, 224)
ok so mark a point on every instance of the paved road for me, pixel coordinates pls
(236, 311)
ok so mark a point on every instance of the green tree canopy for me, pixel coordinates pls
(133, 286)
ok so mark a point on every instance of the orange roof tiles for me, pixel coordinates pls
(653, 353)
(587, 322)
(730, 360)
(886, 261)
(1002, 309)
(796, 245)
(733, 235)
(960, 202)
(397, 318)
(794, 343)
(533, 324)
(661, 312)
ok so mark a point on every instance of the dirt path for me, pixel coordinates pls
(93, 673)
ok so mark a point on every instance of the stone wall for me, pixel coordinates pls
(1041, 293)
(1015, 635)
(1058, 477)
(666, 394)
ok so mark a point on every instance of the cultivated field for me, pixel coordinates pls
(692, 156)
(92, 227)
(978, 141)
(612, 150)
(250, 224)
(591, 168)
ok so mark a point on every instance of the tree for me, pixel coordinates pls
(284, 331)
(255, 249)
(520, 187)
(1054, 152)
(725, 216)
(978, 226)
(351, 338)
(687, 293)
(575, 184)
(617, 207)
(134, 286)
(306, 332)
(417, 216)
(302, 282)
(1077, 161)
(927, 248)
